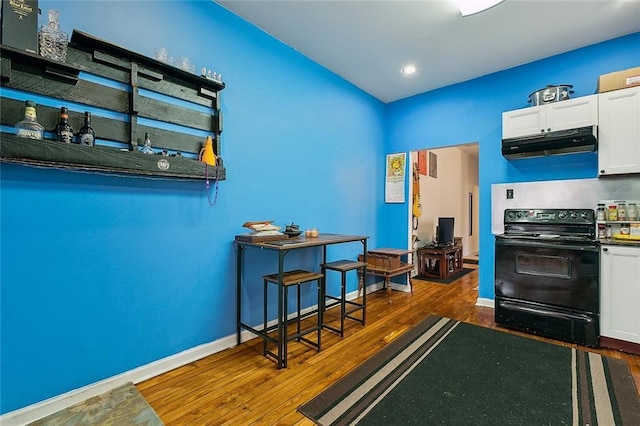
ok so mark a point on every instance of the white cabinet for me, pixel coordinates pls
(620, 292)
(619, 132)
(563, 115)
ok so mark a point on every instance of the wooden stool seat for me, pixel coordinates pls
(294, 277)
(344, 266)
(289, 279)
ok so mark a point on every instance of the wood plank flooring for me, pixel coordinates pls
(239, 386)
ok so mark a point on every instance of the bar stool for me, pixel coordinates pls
(289, 279)
(344, 266)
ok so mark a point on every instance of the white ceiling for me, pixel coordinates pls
(368, 42)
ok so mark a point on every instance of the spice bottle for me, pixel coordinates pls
(622, 211)
(632, 211)
(600, 212)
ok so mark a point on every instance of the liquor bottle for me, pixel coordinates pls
(146, 146)
(64, 132)
(29, 127)
(86, 134)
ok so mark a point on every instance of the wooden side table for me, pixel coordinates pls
(388, 263)
(440, 262)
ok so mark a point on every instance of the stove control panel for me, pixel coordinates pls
(551, 216)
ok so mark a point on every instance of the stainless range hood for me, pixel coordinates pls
(583, 139)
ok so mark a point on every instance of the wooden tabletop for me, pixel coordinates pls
(390, 251)
(302, 241)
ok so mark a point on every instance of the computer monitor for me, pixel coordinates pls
(444, 233)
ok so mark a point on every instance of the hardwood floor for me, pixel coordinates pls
(239, 386)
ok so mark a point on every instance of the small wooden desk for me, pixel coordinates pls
(388, 263)
(440, 262)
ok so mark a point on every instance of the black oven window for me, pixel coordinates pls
(545, 266)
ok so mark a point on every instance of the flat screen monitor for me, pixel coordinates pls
(445, 231)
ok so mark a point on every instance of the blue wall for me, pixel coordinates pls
(103, 274)
(472, 112)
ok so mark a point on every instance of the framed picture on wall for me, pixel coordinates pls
(433, 165)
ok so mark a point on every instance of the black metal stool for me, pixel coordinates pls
(291, 278)
(344, 266)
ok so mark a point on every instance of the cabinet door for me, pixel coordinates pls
(572, 113)
(523, 122)
(619, 132)
(620, 293)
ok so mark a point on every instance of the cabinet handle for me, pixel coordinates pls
(602, 172)
(605, 249)
(549, 129)
(541, 130)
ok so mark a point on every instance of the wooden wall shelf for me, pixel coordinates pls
(55, 154)
(87, 78)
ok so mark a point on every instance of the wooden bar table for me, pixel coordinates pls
(283, 247)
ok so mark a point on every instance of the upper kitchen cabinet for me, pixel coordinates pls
(563, 115)
(619, 132)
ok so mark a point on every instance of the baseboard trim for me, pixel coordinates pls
(487, 303)
(42, 409)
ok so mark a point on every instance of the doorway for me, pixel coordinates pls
(445, 184)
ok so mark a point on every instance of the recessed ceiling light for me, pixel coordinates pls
(409, 69)
(469, 7)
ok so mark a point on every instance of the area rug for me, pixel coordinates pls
(446, 372)
(447, 280)
(123, 405)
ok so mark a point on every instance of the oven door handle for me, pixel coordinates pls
(546, 245)
(547, 312)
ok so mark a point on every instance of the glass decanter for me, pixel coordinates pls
(53, 41)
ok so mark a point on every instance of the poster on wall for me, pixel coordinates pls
(394, 181)
(422, 162)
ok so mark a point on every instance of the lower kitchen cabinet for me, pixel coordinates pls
(620, 293)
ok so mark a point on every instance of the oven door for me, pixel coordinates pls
(548, 273)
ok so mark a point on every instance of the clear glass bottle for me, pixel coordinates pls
(52, 40)
(29, 127)
(64, 132)
(146, 146)
(600, 212)
(632, 212)
(622, 211)
(86, 134)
